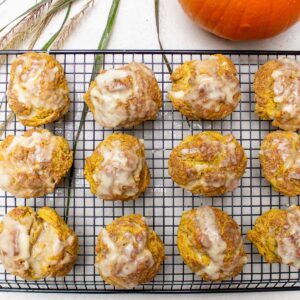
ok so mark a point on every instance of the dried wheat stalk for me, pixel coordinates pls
(16, 35)
(4, 124)
(43, 22)
(56, 6)
(70, 26)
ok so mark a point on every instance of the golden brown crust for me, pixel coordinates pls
(205, 107)
(35, 225)
(28, 114)
(94, 165)
(267, 106)
(134, 109)
(130, 230)
(87, 96)
(193, 244)
(30, 177)
(51, 217)
(263, 87)
(268, 231)
(205, 164)
(263, 234)
(279, 158)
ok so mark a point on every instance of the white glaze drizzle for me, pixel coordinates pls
(19, 255)
(111, 97)
(15, 244)
(27, 86)
(120, 171)
(109, 104)
(228, 152)
(205, 220)
(287, 87)
(47, 249)
(208, 91)
(290, 155)
(43, 145)
(123, 258)
(289, 246)
(215, 246)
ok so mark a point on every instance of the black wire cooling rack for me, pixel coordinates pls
(163, 202)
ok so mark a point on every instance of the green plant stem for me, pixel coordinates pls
(161, 47)
(158, 36)
(54, 36)
(48, 16)
(4, 125)
(58, 7)
(96, 67)
(10, 117)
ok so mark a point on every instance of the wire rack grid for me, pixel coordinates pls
(163, 202)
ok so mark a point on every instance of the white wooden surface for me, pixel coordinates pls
(135, 29)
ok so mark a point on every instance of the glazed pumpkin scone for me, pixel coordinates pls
(206, 89)
(208, 163)
(125, 96)
(277, 93)
(128, 252)
(33, 164)
(280, 160)
(38, 245)
(210, 243)
(117, 169)
(38, 92)
(276, 235)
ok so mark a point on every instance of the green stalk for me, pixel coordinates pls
(10, 117)
(35, 6)
(46, 19)
(158, 36)
(105, 37)
(161, 47)
(58, 7)
(54, 36)
(96, 67)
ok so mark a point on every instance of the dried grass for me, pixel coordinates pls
(70, 26)
(18, 33)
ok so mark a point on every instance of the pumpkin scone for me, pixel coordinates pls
(280, 160)
(206, 89)
(125, 96)
(33, 164)
(210, 243)
(37, 245)
(117, 169)
(38, 92)
(276, 235)
(208, 163)
(277, 93)
(128, 252)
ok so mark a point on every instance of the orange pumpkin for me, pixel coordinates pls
(243, 19)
